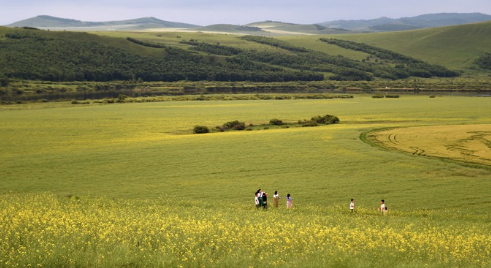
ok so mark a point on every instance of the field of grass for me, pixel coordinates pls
(469, 143)
(119, 185)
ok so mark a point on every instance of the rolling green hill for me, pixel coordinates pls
(456, 47)
(67, 56)
(64, 56)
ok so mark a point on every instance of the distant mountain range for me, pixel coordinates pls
(409, 23)
(262, 28)
(44, 21)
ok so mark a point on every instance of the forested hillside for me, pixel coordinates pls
(32, 54)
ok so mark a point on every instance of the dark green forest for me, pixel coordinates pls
(484, 61)
(29, 55)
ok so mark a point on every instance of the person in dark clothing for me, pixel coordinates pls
(265, 200)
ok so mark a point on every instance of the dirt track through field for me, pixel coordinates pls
(468, 143)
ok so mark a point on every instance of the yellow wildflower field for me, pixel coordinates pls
(128, 185)
(43, 230)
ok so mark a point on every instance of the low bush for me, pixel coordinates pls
(201, 129)
(391, 96)
(309, 123)
(236, 124)
(221, 129)
(80, 102)
(276, 122)
(326, 119)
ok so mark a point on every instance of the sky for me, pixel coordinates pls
(207, 12)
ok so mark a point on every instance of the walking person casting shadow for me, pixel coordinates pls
(289, 201)
(382, 207)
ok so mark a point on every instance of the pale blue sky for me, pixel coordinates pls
(206, 12)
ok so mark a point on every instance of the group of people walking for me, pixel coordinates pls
(261, 200)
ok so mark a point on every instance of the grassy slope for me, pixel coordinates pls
(174, 39)
(312, 42)
(454, 47)
(130, 151)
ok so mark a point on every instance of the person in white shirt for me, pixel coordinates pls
(276, 199)
(382, 207)
(352, 205)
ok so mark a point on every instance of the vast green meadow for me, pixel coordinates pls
(130, 185)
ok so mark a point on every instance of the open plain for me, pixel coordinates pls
(129, 185)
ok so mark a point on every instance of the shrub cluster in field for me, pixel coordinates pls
(49, 231)
(237, 125)
(319, 120)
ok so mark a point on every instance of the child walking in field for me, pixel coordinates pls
(276, 199)
(352, 205)
(265, 200)
(260, 197)
(289, 201)
(382, 207)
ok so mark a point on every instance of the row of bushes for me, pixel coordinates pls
(232, 125)
(319, 120)
(237, 125)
